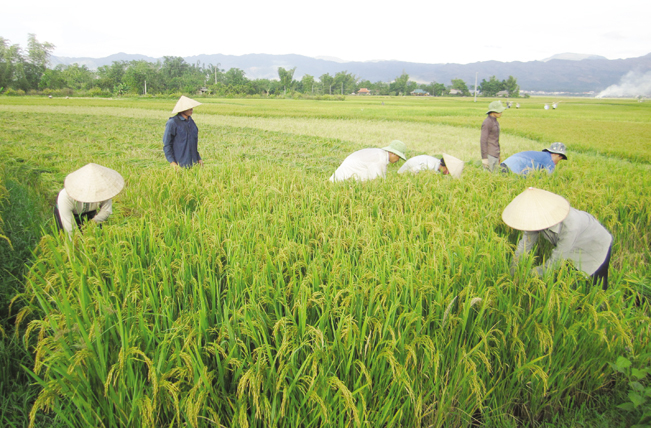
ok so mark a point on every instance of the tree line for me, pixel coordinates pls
(27, 72)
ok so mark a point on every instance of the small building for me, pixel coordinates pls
(455, 92)
(204, 91)
(502, 94)
(420, 93)
(363, 91)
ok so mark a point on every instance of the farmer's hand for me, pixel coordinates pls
(485, 163)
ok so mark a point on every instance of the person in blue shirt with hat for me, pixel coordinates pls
(181, 137)
(524, 162)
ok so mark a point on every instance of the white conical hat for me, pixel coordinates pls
(93, 183)
(454, 165)
(184, 103)
(535, 209)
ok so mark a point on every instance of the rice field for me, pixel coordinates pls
(252, 292)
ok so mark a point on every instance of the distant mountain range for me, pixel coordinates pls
(574, 73)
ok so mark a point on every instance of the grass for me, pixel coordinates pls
(253, 292)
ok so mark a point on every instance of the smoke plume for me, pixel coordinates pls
(634, 84)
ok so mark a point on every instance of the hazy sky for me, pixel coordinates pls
(427, 31)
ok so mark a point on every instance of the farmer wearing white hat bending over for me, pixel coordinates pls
(86, 196)
(181, 137)
(367, 164)
(524, 162)
(448, 165)
(576, 235)
(490, 136)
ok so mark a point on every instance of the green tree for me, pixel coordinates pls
(111, 76)
(511, 86)
(410, 87)
(344, 82)
(461, 86)
(327, 80)
(38, 56)
(53, 78)
(137, 73)
(173, 71)
(235, 77)
(399, 85)
(286, 78)
(9, 57)
(490, 88)
(77, 77)
(307, 84)
(381, 88)
(265, 86)
(435, 89)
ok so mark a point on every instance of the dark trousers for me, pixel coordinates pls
(601, 274)
(79, 218)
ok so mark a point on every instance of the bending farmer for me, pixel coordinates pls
(576, 235)
(86, 195)
(448, 165)
(368, 164)
(524, 162)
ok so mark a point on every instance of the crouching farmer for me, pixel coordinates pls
(86, 196)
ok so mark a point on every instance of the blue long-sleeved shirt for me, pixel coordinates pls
(523, 162)
(181, 140)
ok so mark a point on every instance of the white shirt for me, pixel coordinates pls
(365, 164)
(68, 207)
(420, 163)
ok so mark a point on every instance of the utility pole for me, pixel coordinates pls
(145, 87)
(476, 73)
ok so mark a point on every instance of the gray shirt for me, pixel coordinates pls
(579, 238)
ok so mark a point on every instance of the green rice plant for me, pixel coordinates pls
(253, 292)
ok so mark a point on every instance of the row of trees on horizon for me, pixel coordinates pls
(28, 73)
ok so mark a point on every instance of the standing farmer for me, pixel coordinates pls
(367, 164)
(86, 196)
(576, 235)
(490, 136)
(181, 137)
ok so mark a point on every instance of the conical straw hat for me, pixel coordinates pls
(184, 103)
(93, 183)
(454, 165)
(535, 209)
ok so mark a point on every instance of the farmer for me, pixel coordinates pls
(181, 137)
(576, 235)
(524, 162)
(86, 196)
(448, 165)
(490, 136)
(367, 164)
